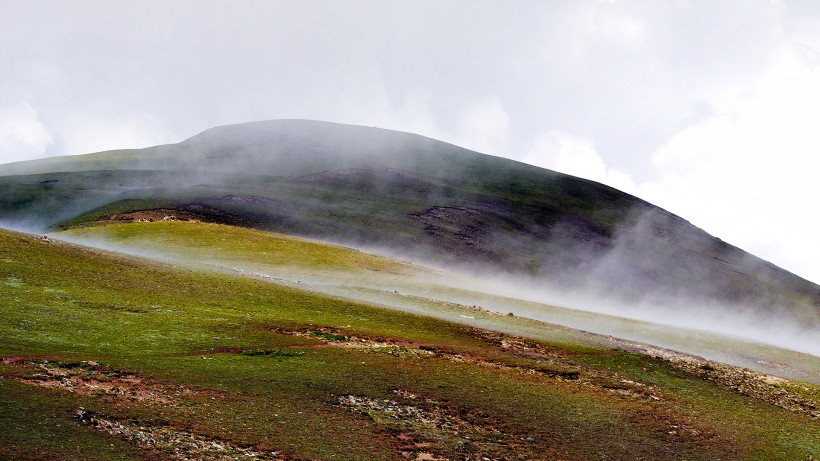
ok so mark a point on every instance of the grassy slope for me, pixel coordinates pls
(228, 244)
(66, 304)
(356, 275)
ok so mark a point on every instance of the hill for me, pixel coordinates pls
(426, 200)
(106, 356)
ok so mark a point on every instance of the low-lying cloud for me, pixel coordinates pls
(746, 172)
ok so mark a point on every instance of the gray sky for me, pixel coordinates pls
(710, 109)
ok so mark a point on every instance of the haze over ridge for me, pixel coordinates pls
(431, 201)
(682, 104)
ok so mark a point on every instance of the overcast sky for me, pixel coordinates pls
(710, 109)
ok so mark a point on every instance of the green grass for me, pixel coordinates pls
(231, 245)
(38, 424)
(221, 335)
(356, 275)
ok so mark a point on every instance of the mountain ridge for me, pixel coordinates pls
(421, 197)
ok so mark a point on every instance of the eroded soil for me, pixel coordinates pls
(551, 362)
(746, 382)
(172, 443)
(421, 427)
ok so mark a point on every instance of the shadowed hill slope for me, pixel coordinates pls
(414, 196)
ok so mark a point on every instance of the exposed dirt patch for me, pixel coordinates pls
(337, 337)
(332, 337)
(551, 370)
(155, 215)
(196, 212)
(335, 176)
(750, 383)
(519, 346)
(614, 384)
(171, 443)
(427, 429)
(461, 231)
(90, 378)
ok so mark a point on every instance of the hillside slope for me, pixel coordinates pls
(422, 198)
(111, 357)
(358, 276)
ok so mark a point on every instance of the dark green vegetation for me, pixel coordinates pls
(111, 357)
(416, 196)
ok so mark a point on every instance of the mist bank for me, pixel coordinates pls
(735, 321)
(550, 237)
(794, 330)
(769, 345)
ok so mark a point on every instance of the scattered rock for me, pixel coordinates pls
(90, 378)
(426, 426)
(172, 443)
(155, 215)
(743, 381)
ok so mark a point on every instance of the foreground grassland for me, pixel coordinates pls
(109, 357)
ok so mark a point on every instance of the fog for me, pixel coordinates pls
(119, 248)
(714, 316)
(716, 331)
(429, 202)
(639, 277)
(18, 226)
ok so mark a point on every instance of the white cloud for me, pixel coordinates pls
(749, 174)
(483, 127)
(568, 154)
(84, 132)
(22, 134)
(411, 113)
(611, 22)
